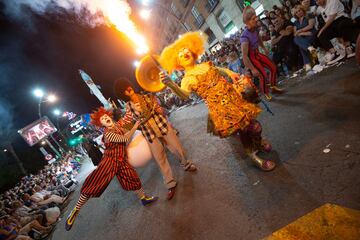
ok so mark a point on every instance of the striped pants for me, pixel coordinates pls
(260, 62)
(96, 183)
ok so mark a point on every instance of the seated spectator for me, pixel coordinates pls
(283, 44)
(43, 197)
(337, 25)
(272, 15)
(308, 4)
(355, 12)
(51, 213)
(304, 33)
(235, 63)
(24, 215)
(286, 9)
(10, 229)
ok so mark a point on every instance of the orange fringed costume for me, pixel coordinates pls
(228, 111)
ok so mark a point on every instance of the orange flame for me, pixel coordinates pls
(117, 12)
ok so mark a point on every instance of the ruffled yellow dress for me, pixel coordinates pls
(228, 111)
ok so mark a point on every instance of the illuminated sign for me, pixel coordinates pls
(37, 131)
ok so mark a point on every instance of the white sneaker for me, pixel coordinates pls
(307, 67)
(334, 57)
(350, 52)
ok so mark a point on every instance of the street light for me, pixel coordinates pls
(39, 93)
(51, 98)
(57, 112)
(136, 63)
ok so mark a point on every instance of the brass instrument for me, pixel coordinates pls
(147, 75)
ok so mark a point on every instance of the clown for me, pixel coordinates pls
(229, 112)
(113, 163)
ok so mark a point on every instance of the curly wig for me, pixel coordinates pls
(194, 41)
(248, 13)
(120, 86)
(96, 115)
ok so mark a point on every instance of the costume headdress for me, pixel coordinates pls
(96, 115)
(194, 41)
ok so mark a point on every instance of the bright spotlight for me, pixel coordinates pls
(5, 150)
(38, 93)
(145, 2)
(56, 112)
(136, 63)
(145, 14)
(51, 98)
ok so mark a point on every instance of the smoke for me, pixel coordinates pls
(6, 121)
(89, 12)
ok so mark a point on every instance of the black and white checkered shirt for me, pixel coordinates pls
(146, 129)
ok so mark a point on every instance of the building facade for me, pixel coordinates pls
(217, 18)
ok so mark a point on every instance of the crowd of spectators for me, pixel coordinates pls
(31, 209)
(299, 34)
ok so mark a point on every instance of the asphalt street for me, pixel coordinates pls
(315, 134)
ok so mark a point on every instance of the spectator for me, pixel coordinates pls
(355, 12)
(337, 25)
(253, 59)
(43, 197)
(272, 15)
(304, 33)
(234, 63)
(283, 44)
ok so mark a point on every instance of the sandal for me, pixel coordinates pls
(190, 168)
(171, 193)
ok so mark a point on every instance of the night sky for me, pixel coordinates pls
(46, 50)
(49, 53)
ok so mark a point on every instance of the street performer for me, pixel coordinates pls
(114, 163)
(155, 128)
(253, 59)
(230, 113)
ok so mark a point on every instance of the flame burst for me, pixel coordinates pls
(117, 12)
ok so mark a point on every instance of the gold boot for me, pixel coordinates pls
(265, 165)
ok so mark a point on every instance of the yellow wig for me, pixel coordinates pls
(194, 41)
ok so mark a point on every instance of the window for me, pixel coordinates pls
(211, 35)
(199, 19)
(187, 26)
(211, 4)
(176, 11)
(185, 3)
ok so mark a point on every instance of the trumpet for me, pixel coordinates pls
(147, 76)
